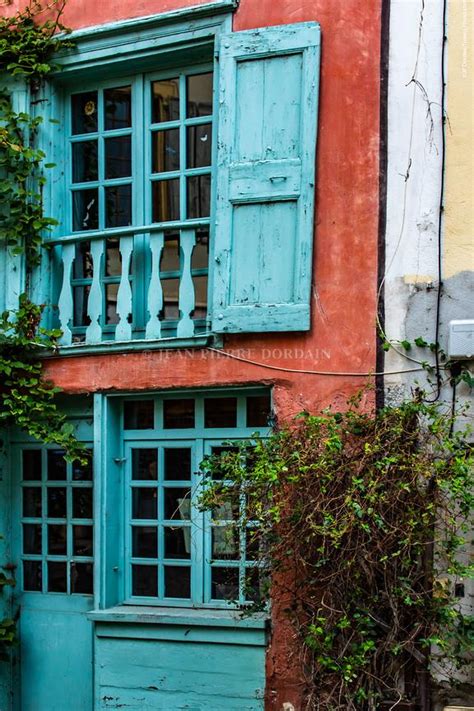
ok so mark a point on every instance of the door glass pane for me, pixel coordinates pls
(178, 414)
(165, 198)
(177, 581)
(82, 503)
(111, 294)
(199, 95)
(200, 258)
(138, 414)
(118, 206)
(83, 264)
(145, 580)
(220, 412)
(118, 108)
(258, 410)
(56, 502)
(32, 575)
(57, 577)
(225, 543)
(118, 157)
(32, 541)
(165, 100)
(170, 255)
(144, 503)
(82, 578)
(165, 150)
(177, 503)
(170, 310)
(198, 196)
(56, 465)
(199, 146)
(84, 112)
(32, 465)
(144, 464)
(178, 463)
(144, 542)
(225, 583)
(200, 292)
(57, 539)
(85, 166)
(177, 542)
(82, 540)
(113, 258)
(32, 502)
(81, 302)
(82, 472)
(85, 210)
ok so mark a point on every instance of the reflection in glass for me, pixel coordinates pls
(178, 463)
(199, 146)
(165, 100)
(32, 502)
(56, 465)
(118, 157)
(225, 583)
(225, 543)
(57, 539)
(138, 414)
(81, 303)
(177, 581)
(165, 198)
(200, 293)
(220, 412)
(198, 196)
(144, 542)
(85, 165)
(170, 310)
(178, 414)
(56, 502)
(83, 265)
(170, 255)
(82, 472)
(177, 503)
(82, 540)
(85, 210)
(144, 464)
(144, 503)
(82, 503)
(200, 257)
(32, 542)
(118, 107)
(144, 580)
(199, 95)
(113, 258)
(165, 150)
(32, 465)
(57, 577)
(82, 578)
(118, 206)
(84, 112)
(177, 542)
(32, 575)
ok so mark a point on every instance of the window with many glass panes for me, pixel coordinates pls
(140, 156)
(56, 523)
(174, 553)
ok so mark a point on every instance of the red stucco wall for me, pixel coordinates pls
(345, 259)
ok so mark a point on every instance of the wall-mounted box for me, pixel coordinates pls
(461, 341)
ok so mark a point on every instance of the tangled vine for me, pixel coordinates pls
(361, 518)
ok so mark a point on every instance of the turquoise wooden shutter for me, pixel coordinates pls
(268, 96)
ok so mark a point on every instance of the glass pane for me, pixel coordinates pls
(178, 463)
(138, 415)
(170, 310)
(258, 410)
(118, 157)
(85, 210)
(32, 538)
(165, 199)
(144, 503)
(32, 575)
(199, 146)
(225, 583)
(170, 255)
(57, 577)
(145, 464)
(200, 295)
(177, 581)
(199, 95)
(165, 100)
(56, 465)
(198, 196)
(83, 265)
(57, 540)
(81, 302)
(254, 584)
(85, 166)
(227, 462)
(178, 542)
(178, 414)
(82, 503)
(220, 412)
(32, 502)
(82, 540)
(177, 503)
(56, 502)
(165, 150)
(118, 108)
(32, 465)
(144, 542)
(145, 580)
(113, 258)
(111, 293)
(118, 206)
(227, 511)
(82, 472)
(225, 543)
(200, 258)
(84, 112)
(82, 578)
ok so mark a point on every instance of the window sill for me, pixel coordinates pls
(137, 614)
(107, 347)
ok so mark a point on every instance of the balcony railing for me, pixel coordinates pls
(132, 285)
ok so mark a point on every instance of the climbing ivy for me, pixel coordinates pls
(362, 519)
